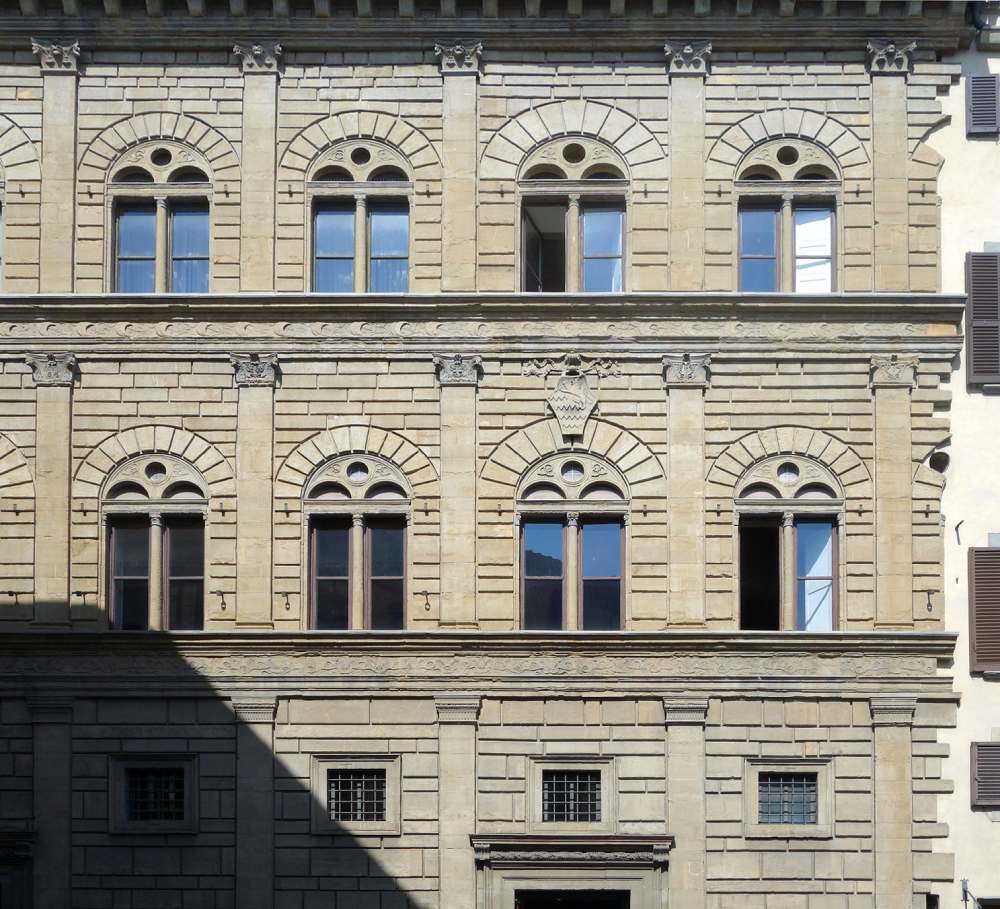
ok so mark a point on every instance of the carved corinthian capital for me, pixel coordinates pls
(255, 369)
(52, 368)
(688, 58)
(57, 58)
(894, 371)
(459, 58)
(888, 58)
(259, 57)
(459, 370)
(686, 370)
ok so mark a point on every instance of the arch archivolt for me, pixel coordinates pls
(15, 476)
(20, 176)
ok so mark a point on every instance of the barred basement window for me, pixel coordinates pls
(151, 793)
(571, 796)
(356, 795)
(787, 798)
(154, 793)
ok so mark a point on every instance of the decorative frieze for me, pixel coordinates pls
(459, 370)
(893, 711)
(255, 711)
(686, 370)
(52, 368)
(894, 371)
(259, 57)
(684, 711)
(457, 708)
(572, 401)
(459, 59)
(889, 58)
(57, 58)
(688, 58)
(255, 369)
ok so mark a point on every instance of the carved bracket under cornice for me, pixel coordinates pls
(463, 58)
(459, 370)
(259, 57)
(894, 371)
(890, 58)
(688, 58)
(686, 371)
(57, 58)
(255, 369)
(52, 368)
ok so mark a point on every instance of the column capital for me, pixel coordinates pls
(357, 520)
(52, 368)
(254, 710)
(893, 711)
(50, 707)
(688, 58)
(684, 711)
(156, 519)
(255, 369)
(460, 59)
(686, 370)
(259, 57)
(886, 57)
(457, 708)
(894, 371)
(61, 59)
(572, 519)
(459, 370)
(788, 519)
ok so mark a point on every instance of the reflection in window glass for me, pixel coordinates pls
(390, 243)
(813, 250)
(331, 542)
(136, 249)
(814, 575)
(386, 545)
(189, 249)
(333, 247)
(601, 575)
(758, 250)
(602, 250)
(184, 543)
(130, 574)
(543, 575)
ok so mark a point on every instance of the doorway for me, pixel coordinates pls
(571, 899)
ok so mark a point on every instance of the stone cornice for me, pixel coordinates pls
(559, 849)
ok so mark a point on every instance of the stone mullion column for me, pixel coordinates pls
(892, 382)
(685, 727)
(257, 195)
(360, 243)
(357, 550)
(254, 803)
(686, 377)
(688, 65)
(458, 378)
(53, 374)
(160, 271)
(52, 734)
(889, 65)
(158, 617)
(457, 720)
(787, 252)
(460, 77)
(59, 65)
(573, 244)
(255, 377)
(788, 569)
(571, 620)
(892, 722)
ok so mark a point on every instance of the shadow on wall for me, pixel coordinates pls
(135, 774)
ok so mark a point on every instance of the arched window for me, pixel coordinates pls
(160, 196)
(788, 192)
(789, 515)
(154, 509)
(573, 510)
(573, 200)
(357, 512)
(360, 197)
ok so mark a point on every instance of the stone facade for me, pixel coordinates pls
(684, 394)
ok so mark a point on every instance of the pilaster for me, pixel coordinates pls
(59, 63)
(255, 377)
(686, 377)
(460, 66)
(53, 374)
(458, 378)
(257, 199)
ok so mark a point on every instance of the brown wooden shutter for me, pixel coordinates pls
(982, 318)
(986, 774)
(984, 609)
(982, 105)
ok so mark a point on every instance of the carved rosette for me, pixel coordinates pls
(457, 708)
(254, 711)
(894, 371)
(686, 371)
(255, 369)
(52, 368)
(893, 711)
(459, 370)
(684, 711)
(459, 59)
(259, 57)
(572, 401)
(688, 58)
(888, 58)
(57, 58)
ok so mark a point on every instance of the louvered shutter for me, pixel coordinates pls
(982, 105)
(984, 609)
(986, 774)
(982, 317)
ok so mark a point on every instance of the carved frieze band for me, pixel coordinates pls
(686, 370)
(259, 57)
(890, 58)
(893, 711)
(459, 370)
(684, 711)
(52, 368)
(688, 58)
(457, 708)
(57, 58)
(461, 59)
(894, 371)
(254, 711)
(255, 369)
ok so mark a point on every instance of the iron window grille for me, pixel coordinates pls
(356, 795)
(571, 796)
(788, 798)
(154, 793)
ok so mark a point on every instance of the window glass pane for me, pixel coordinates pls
(390, 232)
(758, 275)
(602, 276)
(543, 549)
(187, 605)
(815, 606)
(334, 276)
(387, 604)
(332, 550)
(189, 276)
(542, 604)
(137, 231)
(758, 232)
(332, 605)
(131, 604)
(334, 231)
(602, 605)
(187, 549)
(131, 555)
(389, 276)
(814, 276)
(814, 544)
(601, 550)
(136, 276)
(387, 549)
(602, 232)
(190, 231)
(813, 232)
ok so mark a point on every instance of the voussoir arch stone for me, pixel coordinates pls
(792, 123)
(522, 134)
(18, 154)
(15, 476)
(303, 461)
(811, 444)
(90, 477)
(513, 456)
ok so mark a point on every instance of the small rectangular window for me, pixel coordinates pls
(543, 248)
(542, 569)
(151, 793)
(331, 560)
(333, 248)
(813, 250)
(356, 795)
(129, 573)
(571, 796)
(815, 541)
(189, 236)
(787, 798)
(760, 574)
(386, 567)
(135, 251)
(601, 575)
(389, 256)
(154, 794)
(184, 580)
(602, 249)
(759, 250)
